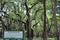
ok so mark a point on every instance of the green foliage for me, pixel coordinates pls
(17, 11)
(13, 16)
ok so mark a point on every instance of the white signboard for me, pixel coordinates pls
(13, 34)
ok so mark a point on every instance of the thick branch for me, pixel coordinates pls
(34, 4)
(22, 22)
(35, 24)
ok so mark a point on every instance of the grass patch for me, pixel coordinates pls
(37, 38)
(1, 39)
(51, 38)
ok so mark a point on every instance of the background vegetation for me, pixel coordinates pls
(37, 18)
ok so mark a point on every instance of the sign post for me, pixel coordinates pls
(13, 35)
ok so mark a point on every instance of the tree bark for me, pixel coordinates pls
(55, 21)
(44, 29)
(28, 22)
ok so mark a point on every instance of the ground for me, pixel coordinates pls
(38, 39)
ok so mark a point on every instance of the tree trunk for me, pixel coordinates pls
(28, 22)
(55, 21)
(44, 29)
